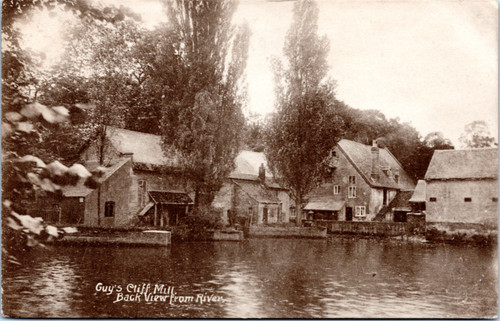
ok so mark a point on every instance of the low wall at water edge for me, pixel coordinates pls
(132, 238)
(451, 232)
(228, 235)
(293, 232)
(372, 228)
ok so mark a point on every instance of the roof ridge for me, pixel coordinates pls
(465, 149)
(133, 131)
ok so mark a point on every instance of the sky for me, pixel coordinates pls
(433, 64)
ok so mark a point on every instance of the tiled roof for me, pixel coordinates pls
(463, 164)
(257, 191)
(170, 197)
(361, 157)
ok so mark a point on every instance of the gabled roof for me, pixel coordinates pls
(257, 191)
(463, 164)
(360, 157)
(419, 195)
(80, 190)
(247, 165)
(146, 148)
(247, 168)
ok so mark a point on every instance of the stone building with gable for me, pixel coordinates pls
(252, 194)
(361, 183)
(461, 186)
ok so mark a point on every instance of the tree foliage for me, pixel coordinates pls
(25, 124)
(477, 135)
(305, 126)
(199, 77)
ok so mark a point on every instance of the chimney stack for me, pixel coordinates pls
(262, 173)
(375, 161)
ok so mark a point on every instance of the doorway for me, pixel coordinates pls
(348, 213)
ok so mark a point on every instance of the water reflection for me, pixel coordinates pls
(273, 278)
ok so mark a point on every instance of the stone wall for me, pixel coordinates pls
(368, 228)
(296, 232)
(115, 189)
(366, 196)
(450, 204)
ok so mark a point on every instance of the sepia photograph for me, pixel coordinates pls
(229, 159)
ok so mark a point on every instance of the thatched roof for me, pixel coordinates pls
(247, 168)
(248, 163)
(463, 164)
(360, 157)
(146, 148)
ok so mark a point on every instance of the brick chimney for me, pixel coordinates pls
(375, 161)
(262, 173)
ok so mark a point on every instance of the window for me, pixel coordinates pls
(396, 178)
(109, 209)
(352, 180)
(334, 153)
(336, 189)
(142, 193)
(360, 211)
(352, 192)
(432, 199)
(494, 199)
(467, 199)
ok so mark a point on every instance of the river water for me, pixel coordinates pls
(271, 278)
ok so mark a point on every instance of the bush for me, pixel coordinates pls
(198, 226)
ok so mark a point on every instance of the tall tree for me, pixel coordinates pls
(477, 135)
(201, 93)
(305, 126)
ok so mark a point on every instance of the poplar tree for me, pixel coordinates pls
(201, 97)
(305, 126)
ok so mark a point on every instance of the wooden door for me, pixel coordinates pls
(348, 213)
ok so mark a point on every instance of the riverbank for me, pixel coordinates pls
(457, 233)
